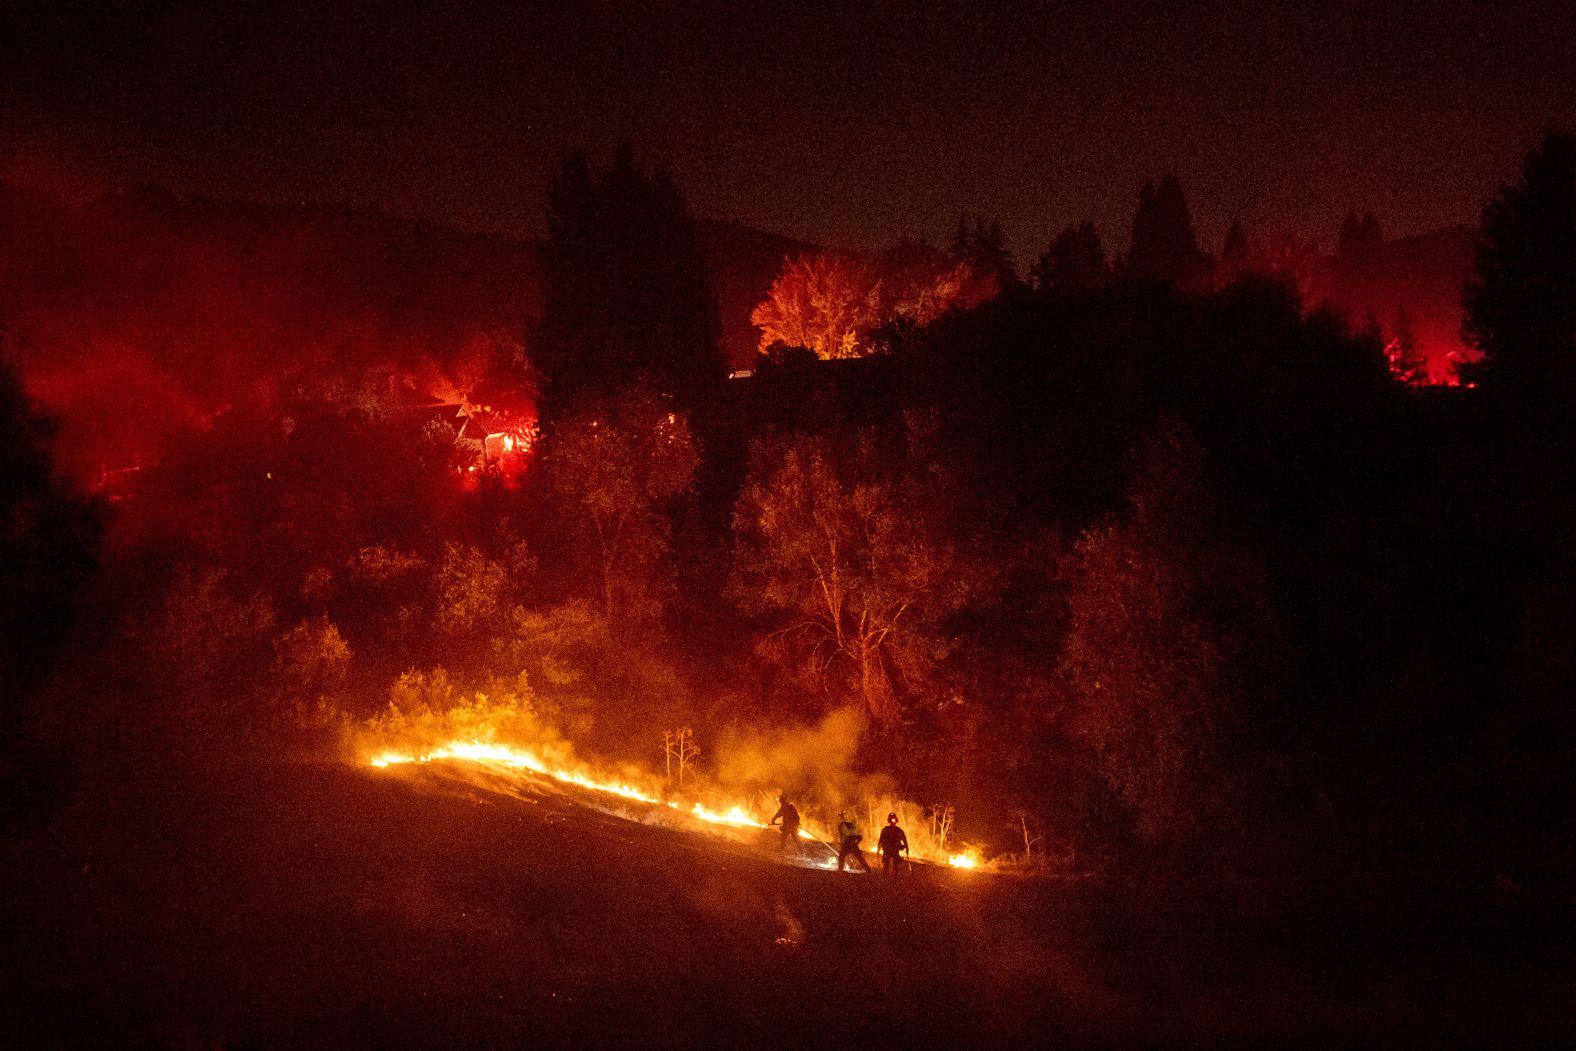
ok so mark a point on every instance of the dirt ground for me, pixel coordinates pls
(319, 905)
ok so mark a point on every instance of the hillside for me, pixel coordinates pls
(137, 316)
(325, 905)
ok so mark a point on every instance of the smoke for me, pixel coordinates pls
(812, 762)
(814, 766)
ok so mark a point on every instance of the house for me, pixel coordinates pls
(494, 436)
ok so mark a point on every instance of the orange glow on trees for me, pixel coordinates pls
(615, 468)
(831, 302)
(825, 301)
(851, 555)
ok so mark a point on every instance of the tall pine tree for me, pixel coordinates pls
(1165, 246)
(1521, 302)
(627, 299)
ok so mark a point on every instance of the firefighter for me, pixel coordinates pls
(892, 844)
(788, 815)
(848, 838)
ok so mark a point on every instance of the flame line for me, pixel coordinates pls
(478, 751)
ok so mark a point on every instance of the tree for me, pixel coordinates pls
(678, 749)
(1236, 258)
(824, 301)
(471, 589)
(991, 255)
(626, 293)
(207, 635)
(920, 283)
(616, 465)
(962, 240)
(1165, 247)
(1359, 262)
(1521, 301)
(1167, 616)
(1294, 260)
(436, 451)
(850, 549)
(1407, 362)
(1075, 262)
(1360, 241)
(600, 683)
(1023, 825)
(942, 817)
(985, 249)
(311, 666)
(49, 541)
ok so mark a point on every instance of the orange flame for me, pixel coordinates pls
(736, 816)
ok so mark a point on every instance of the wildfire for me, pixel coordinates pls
(501, 753)
(736, 816)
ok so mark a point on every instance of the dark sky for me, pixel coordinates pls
(844, 123)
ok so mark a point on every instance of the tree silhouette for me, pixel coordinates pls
(991, 255)
(962, 239)
(1165, 246)
(1075, 262)
(920, 283)
(48, 547)
(1360, 238)
(1521, 302)
(985, 248)
(1166, 614)
(626, 292)
(1359, 260)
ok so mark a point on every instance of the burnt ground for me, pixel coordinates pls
(326, 906)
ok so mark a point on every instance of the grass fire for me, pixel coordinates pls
(721, 815)
(799, 525)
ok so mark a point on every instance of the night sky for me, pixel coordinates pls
(838, 123)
